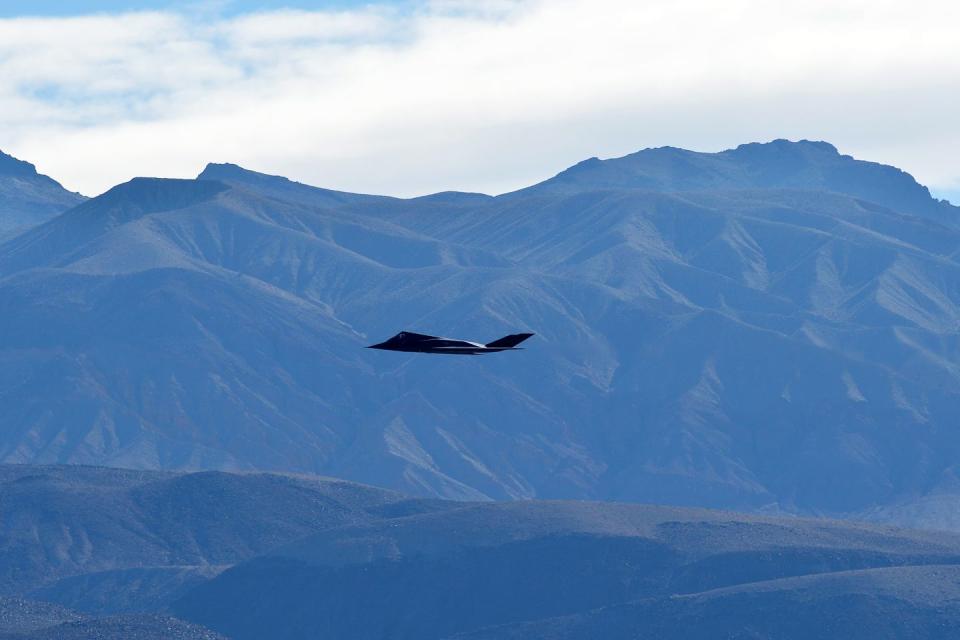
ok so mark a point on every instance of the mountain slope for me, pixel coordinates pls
(19, 616)
(278, 556)
(282, 188)
(780, 334)
(173, 280)
(28, 198)
(106, 540)
(890, 603)
(436, 575)
(776, 165)
(142, 627)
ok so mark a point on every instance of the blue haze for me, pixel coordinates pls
(772, 327)
(256, 556)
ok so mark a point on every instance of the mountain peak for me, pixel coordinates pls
(812, 165)
(152, 195)
(782, 144)
(234, 172)
(10, 166)
(28, 198)
(785, 155)
(280, 187)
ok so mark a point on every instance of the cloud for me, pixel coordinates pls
(479, 96)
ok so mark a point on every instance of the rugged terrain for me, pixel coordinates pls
(589, 570)
(90, 552)
(774, 327)
(28, 198)
(103, 553)
(106, 540)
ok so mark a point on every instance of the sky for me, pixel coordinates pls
(418, 96)
(218, 7)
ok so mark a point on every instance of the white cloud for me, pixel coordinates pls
(301, 28)
(479, 96)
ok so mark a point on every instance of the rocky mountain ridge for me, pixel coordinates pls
(742, 330)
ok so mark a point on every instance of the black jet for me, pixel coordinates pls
(420, 343)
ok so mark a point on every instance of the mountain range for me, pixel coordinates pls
(101, 553)
(28, 198)
(110, 554)
(770, 328)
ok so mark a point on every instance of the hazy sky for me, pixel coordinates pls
(412, 97)
(221, 7)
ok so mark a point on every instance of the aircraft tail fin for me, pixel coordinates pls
(509, 342)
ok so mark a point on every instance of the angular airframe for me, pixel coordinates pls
(420, 343)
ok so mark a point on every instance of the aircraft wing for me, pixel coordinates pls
(410, 335)
(451, 343)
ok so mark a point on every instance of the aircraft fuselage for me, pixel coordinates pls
(420, 343)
